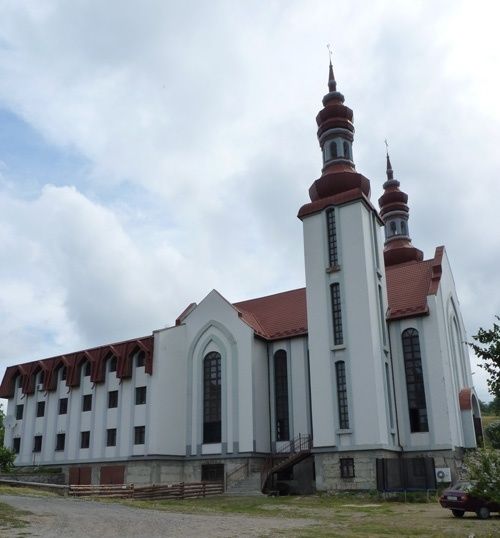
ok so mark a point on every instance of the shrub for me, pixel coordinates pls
(7, 458)
(492, 432)
(483, 468)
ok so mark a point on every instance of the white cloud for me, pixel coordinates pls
(197, 121)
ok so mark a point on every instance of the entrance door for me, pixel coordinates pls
(80, 476)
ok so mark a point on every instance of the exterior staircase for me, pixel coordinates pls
(293, 452)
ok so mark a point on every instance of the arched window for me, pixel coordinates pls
(404, 228)
(281, 395)
(212, 398)
(394, 229)
(347, 152)
(140, 359)
(333, 150)
(414, 381)
(112, 364)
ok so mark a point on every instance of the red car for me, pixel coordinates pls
(459, 500)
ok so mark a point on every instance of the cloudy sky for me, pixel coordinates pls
(151, 151)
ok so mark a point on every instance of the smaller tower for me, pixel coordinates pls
(394, 212)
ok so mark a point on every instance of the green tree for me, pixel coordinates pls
(483, 467)
(2, 425)
(486, 346)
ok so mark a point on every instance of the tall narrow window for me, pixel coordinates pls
(281, 395)
(382, 314)
(60, 441)
(86, 369)
(342, 395)
(16, 445)
(37, 443)
(333, 150)
(140, 358)
(212, 398)
(414, 381)
(85, 439)
(333, 258)
(347, 153)
(338, 337)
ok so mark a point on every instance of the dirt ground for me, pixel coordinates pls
(305, 517)
(73, 518)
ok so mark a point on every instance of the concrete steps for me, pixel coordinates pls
(249, 486)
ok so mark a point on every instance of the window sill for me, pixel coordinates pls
(343, 432)
(333, 269)
(340, 347)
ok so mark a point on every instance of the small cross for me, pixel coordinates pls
(329, 51)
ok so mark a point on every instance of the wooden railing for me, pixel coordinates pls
(181, 490)
(291, 452)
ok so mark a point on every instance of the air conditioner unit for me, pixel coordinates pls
(443, 474)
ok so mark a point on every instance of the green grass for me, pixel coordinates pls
(21, 490)
(11, 518)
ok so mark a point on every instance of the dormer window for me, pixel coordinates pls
(112, 364)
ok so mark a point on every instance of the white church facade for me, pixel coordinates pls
(365, 366)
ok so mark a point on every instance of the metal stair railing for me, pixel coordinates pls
(288, 455)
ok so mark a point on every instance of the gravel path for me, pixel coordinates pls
(76, 518)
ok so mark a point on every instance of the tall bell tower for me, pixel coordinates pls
(351, 381)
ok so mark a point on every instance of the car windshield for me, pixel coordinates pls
(462, 486)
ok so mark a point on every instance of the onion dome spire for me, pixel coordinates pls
(336, 136)
(394, 212)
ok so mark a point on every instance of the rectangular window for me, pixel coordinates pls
(342, 395)
(40, 409)
(87, 402)
(112, 399)
(63, 406)
(37, 443)
(19, 411)
(112, 364)
(333, 258)
(86, 370)
(347, 468)
(139, 435)
(63, 373)
(111, 437)
(338, 337)
(60, 441)
(281, 395)
(84, 439)
(140, 395)
(16, 445)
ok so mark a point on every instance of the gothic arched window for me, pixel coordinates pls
(281, 395)
(414, 381)
(212, 398)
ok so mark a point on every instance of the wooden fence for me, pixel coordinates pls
(182, 490)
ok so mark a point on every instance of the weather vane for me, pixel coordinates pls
(328, 46)
(386, 146)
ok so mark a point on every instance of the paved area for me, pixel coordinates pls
(75, 518)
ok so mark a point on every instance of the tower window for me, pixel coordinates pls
(404, 228)
(342, 395)
(212, 398)
(347, 150)
(414, 381)
(281, 395)
(338, 337)
(333, 150)
(333, 258)
(394, 227)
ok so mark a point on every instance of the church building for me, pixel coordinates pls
(359, 380)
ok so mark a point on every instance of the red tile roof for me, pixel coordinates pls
(276, 316)
(409, 284)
